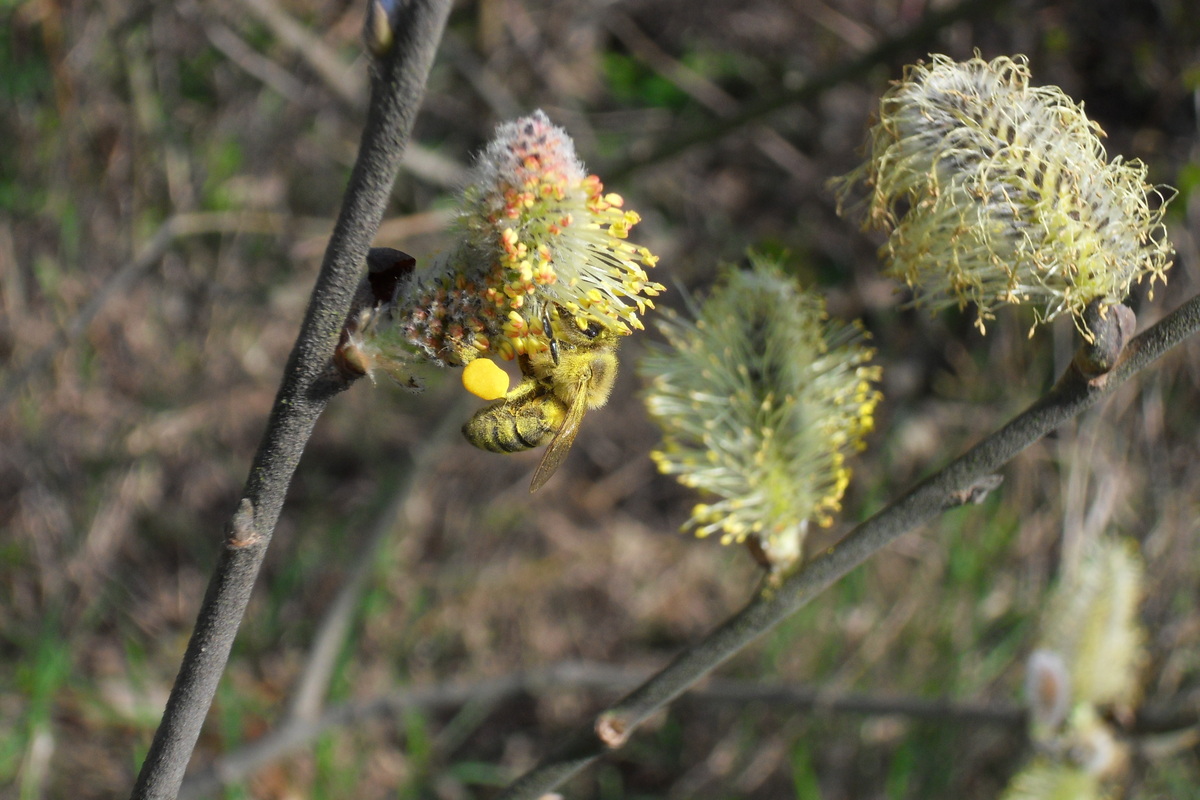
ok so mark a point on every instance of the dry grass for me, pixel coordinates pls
(123, 456)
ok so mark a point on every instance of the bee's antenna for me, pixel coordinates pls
(549, 331)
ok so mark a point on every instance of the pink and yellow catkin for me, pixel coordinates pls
(535, 232)
(996, 192)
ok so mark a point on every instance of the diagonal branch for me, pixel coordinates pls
(951, 486)
(398, 82)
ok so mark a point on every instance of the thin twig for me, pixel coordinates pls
(768, 140)
(1070, 396)
(178, 226)
(489, 86)
(345, 83)
(341, 80)
(888, 50)
(309, 694)
(296, 734)
(398, 82)
(682, 77)
(235, 48)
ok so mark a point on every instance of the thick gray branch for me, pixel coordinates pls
(396, 90)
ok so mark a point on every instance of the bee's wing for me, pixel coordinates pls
(556, 451)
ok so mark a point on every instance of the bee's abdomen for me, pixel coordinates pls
(505, 428)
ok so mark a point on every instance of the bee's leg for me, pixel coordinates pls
(520, 392)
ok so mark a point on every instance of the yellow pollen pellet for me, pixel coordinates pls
(484, 379)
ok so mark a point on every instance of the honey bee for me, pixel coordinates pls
(558, 386)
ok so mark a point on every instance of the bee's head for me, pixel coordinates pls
(592, 329)
(573, 330)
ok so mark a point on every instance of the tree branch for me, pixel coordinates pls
(397, 86)
(295, 733)
(1070, 396)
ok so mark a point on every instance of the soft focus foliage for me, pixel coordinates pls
(1046, 781)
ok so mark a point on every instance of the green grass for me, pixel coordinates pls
(42, 682)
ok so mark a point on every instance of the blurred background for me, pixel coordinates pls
(169, 175)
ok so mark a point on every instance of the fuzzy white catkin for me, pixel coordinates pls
(995, 192)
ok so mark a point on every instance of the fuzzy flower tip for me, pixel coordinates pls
(538, 237)
(1086, 663)
(761, 400)
(1044, 780)
(994, 191)
(1092, 624)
